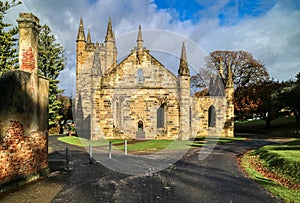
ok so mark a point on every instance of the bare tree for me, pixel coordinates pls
(246, 70)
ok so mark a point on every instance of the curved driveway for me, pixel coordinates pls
(214, 179)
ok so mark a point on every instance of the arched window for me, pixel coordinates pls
(140, 76)
(212, 116)
(118, 115)
(161, 117)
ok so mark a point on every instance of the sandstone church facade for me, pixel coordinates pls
(140, 98)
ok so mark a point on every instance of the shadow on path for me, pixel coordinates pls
(214, 179)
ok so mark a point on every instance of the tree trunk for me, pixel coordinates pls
(296, 113)
(297, 119)
(61, 129)
(268, 123)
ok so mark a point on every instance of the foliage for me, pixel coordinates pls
(246, 70)
(65, 112)
(51, 62)
(200, 81)
(257, 99)
(289, 96)
(8, 42)
(298, 78)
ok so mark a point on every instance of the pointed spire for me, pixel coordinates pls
(139, 39)
(229, 82)
(183, 66)
(81, 36)
(109, 32)
(183, 52)
(221, 68)
(89, 37)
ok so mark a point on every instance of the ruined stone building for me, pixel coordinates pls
(24, 113)
(139, 97)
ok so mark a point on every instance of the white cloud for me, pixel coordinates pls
(273, 38)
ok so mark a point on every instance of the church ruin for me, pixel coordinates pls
(139, 98)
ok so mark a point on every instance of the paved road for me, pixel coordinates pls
(214, 179)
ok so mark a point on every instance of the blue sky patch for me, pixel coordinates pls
(230, 13)
(92, 1)
(185, 9)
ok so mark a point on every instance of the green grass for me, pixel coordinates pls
(78, 141)
(280, 159)
(287, 194)
(148, 145)
(155, 145)
(280, 127)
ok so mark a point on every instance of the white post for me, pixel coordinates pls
(109, 149)
(91, 153)
(125, 147)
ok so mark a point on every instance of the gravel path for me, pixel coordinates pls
(214, 179)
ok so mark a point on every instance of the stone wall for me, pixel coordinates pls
(112, 101)
(24, 114)
(123, 101)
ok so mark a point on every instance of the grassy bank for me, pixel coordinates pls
(277, 168)
(280, 127)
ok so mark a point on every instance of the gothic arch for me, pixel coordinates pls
(140, 76)
(141, 125)
(212, 117)
(118, 110)
(161, 116)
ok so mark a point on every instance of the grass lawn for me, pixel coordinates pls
(280, 127)
(277, 168)
(148, 145)
(82, 142)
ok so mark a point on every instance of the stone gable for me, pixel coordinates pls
(140, 98)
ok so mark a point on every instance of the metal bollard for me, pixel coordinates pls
(125, 147)
(67, 158)
(91, 153)
(109, 149)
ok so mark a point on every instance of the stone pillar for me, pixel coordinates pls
(184, 95)
(28, 42)
(229, 124)
(184, 98)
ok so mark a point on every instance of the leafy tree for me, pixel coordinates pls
(258, 99)
(65, 111)
(51, 61)
(247, 73)
(8, 42)
(269, 108)
(245, 102)
(298, 77)
(289, 96)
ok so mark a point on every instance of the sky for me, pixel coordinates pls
(268, 29)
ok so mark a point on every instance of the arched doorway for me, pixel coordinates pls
(140, 134)
(140, 126)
